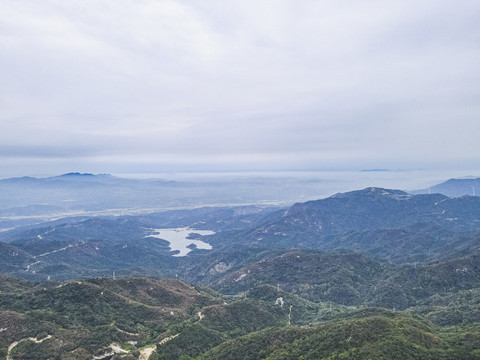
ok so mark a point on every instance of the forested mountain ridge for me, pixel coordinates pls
(401, 269)
(369, 209)
(387, 223)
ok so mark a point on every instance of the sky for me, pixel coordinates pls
(140, 86)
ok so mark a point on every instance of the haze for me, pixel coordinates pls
(157, 86)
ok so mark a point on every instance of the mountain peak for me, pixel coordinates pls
(374, 192)
(77, 174)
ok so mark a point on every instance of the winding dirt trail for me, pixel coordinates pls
(167, 339)
(15, 343)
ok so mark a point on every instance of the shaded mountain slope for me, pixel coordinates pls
(352, 278)
(344, 277)
(387, 223)
(368, 209)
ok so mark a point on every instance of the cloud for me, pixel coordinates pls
(275, 84)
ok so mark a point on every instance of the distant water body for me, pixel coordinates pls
(178, 239)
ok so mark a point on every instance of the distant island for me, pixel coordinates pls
(375, 170)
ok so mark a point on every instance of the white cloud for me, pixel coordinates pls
(272, 82)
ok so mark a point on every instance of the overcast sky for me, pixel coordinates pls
(152, 86)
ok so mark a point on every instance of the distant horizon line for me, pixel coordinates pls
(438, 174)
(219, 172)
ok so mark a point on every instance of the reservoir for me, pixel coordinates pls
(178, 239)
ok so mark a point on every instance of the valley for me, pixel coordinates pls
(347, 276)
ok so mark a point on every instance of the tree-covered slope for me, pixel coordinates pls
(384, 336)
(90, 315)
(342, 277)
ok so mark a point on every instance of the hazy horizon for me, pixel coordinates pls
(330, 181)
(177, 86)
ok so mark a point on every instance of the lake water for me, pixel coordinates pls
(178, 239)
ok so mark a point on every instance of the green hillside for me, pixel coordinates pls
(387, 336)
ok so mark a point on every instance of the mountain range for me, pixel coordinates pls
(403, 270)
(29, 200)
